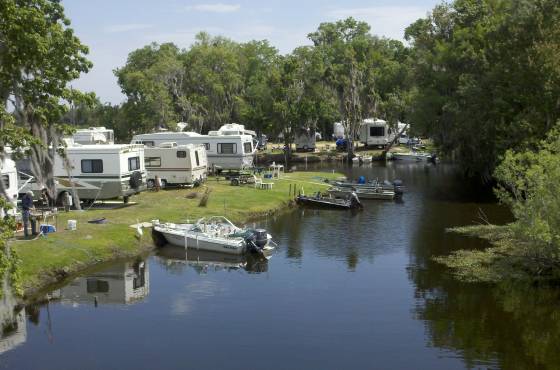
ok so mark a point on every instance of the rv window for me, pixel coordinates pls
(133, 163)
(181, 154)
(207, 145)
(92, 166)
(247, 148)
(227, 148)
(196, 157)
(377, 131)
(97, 286)
(147, 143)
(6, 180)
(152, 161)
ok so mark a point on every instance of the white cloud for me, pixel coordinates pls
(214, 8)
(389, 21)
(127, 27)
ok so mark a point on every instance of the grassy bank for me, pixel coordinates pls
(47, 260)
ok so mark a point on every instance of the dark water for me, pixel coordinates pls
(343, 291)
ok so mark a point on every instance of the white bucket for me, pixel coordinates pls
(72, 224)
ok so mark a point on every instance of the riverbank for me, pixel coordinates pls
(50, 259)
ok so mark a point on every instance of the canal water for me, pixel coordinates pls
(343, 291)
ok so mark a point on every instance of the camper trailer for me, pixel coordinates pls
(10, 178)
(222, 151)
(98, 172)
(375, 132)
(94, 135)
(305, 140)
(176, 164)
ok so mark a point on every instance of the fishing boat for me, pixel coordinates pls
(396, 185)
(414, 156)
(216, 234)
(351, 201)
(363, 193)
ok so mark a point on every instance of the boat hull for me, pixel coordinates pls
(383, 195)
(203, 243)
(323, 203)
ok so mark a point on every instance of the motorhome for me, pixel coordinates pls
(305, 140)
(97, 172)
(94, 135)
(176, 164)
(375, 132)
(222, 151)
(9, 175)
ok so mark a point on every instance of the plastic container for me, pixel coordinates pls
(72, 224)
(46, 229)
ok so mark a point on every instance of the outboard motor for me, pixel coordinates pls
(257, 240)
(397, 187)
(355, 201)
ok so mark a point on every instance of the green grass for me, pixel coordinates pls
(49, 259)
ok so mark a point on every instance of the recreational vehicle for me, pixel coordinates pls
(223, 151)
(375, 132)
(10, 179)
(305, 140)
(97, 172)
(176, 164)
(94, 135)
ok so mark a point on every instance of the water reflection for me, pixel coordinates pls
(12, 321)
(124, 283)
(176, 259)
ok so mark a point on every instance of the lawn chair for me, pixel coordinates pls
(259, 184)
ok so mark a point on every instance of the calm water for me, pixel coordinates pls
(343, 291)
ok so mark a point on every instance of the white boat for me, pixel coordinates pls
(414, 157)
(216, 234)
(367, 159)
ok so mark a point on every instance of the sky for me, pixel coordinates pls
(112, 29)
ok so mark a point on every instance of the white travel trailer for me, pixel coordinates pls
(9, 175)
(94, 135)
(305, 140)
(222, 151)
(98, 172)
(176, 164)
(375, 132)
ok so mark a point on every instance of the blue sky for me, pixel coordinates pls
(112, 28)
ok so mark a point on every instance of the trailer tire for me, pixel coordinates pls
(151, 183)
(135, 180)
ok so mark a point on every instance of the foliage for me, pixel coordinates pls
(486, 77)
(9, 261)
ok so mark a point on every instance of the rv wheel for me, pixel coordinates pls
(151, 183)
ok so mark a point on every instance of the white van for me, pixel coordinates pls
(176, 164)
(94, 135)
(375, 132)
(223, 151)
(99, 172)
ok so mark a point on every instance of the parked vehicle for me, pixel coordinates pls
(9, 175)
(223, 151)
(305, 140)
(94, 135)
(216, 234)
(98, 172)
(176, 164)
(375, 132)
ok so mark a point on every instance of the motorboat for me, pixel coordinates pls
(414, 156)
(351, 201)
(363, 193)
(396, 185)
(216, 234)
(361, 159)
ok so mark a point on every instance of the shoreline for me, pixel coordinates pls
(61, 256)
